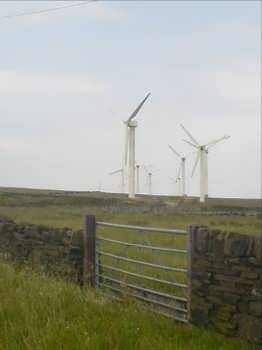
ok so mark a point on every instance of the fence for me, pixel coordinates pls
(127, 260)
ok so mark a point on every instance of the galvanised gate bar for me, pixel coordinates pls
(146, 263)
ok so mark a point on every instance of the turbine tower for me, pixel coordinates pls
(122, 178)
(202, 156)
(175, 181)
(149, 172)
(137, 178)
(131, 125)
(150, 183)
(182, 170)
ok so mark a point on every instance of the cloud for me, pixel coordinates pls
(13, 83)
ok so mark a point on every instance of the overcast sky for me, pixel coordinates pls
(68, 79)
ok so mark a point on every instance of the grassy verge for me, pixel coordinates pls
(38, 313)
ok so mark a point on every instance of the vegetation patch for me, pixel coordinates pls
(67, 209)
(39, 313)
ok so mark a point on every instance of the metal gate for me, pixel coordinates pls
(146, 263)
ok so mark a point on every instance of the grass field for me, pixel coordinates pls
(60, 209)
(38, 313)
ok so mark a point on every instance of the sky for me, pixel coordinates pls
(69, 78)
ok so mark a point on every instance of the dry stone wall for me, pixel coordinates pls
(55, 251)
(226, 282)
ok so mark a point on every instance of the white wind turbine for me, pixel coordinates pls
(120, 171)
(149, 170)
(149, 182)
(137, 178)
(182, 171)
(131, 124)
(202, 155)
(176, 181)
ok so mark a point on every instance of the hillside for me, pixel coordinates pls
(67, 208)
(95, 196)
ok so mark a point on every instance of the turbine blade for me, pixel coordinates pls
(189, 135)
(190, 143)
(212, 143)
(174, 151)
(171, 179)
(138, 108)
(196, 162)
(115, 172)
(188, 154)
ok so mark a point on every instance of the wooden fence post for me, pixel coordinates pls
(89, 237)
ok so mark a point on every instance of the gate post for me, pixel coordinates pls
(89, 237)
(190, 246)
(197, 241)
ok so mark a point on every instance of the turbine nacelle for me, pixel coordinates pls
(132, 124)
(203, 148)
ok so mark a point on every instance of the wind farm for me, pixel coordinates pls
(130, 171)
(130, 180)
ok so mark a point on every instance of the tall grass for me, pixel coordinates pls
(39, 313)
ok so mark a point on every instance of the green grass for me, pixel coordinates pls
(39, 313)
(60, 209)
(72, 216)
(162, 258)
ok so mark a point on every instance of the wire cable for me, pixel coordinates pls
(49, 9)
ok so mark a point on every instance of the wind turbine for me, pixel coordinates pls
(122, 178)
(149, 171)
(149, 182)
(182, 170)
(137, 178)
(131, 125)
(202, 156)
(149, 179)
(174, 181)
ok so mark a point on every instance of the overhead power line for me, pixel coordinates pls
(51, 9)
